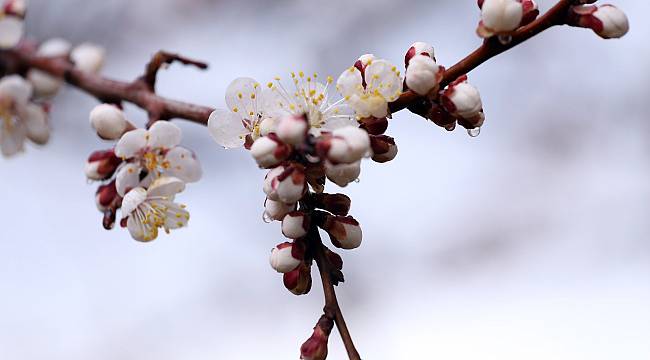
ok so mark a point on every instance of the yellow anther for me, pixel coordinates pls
(240, 95)
(330, 80)
(301, 74)
(235, 109)
(269, 85)
(253, 96)
(277, 78)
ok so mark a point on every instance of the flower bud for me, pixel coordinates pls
(15, 8)
(346, 145)
(334, 259)
(298, 280)
(288, 185)
(384, 148)
(315, 348)
(418, 48)
(608, 21)
(88, 57)
(531, 11)
(343, 174)
(109, 121)
(295, 225)
(462, 100)
(344, 231)
(337, 204)
(423, 75)
(373, 125)
(276, 210)
(292, 129)
(363, 61)
(101, 165)
(105, 196)
(269, 151)
(499, 17)
(54, 47)
(286, 257)
(441, 117)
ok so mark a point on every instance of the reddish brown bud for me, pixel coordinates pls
(102, 164)
(373, 125)
(337, 204)
(315, 348)
(384, 148)
(298, 281)
(344, 231)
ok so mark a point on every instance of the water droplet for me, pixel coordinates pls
(89, 181)
(450, 127)
(505, 39)
(474, 132)
(266, 217)
(357, 180)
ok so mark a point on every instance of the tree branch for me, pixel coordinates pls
(332, 308)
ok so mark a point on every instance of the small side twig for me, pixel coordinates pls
(164, 58)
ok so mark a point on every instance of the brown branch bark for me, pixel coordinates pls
(332, 308)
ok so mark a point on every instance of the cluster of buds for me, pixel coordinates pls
(458, 103)
(145, 169)
(503, 17)
(607, 21)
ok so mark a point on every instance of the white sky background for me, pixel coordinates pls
(530, 241)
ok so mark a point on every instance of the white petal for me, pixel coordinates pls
(12, 138)
(183, 164)
(131, 143)
(227, 128)
(164, 134)
(54, 47)
(11, 31)
(166, 187)
(88, 57)
(350, 82)
(17, 88)
(35, 119)
(243, 96)
(127, 177)
(383, 76)
(275, 102)
(175, 215)
(132, 200)
(139, 231)
(45, 85)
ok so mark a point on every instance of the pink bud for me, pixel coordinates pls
(276, 210)
(315, 348)
(292, 129)
(418, 48)
(346, 145)
(295, 225)
(384, 148)
(101, 165)
(463, 100)
(287, 186)
(298, 280)
(608, 21)
(344, 231)
(286, 257)
(269, 151)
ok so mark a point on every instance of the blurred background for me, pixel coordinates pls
(530, 241)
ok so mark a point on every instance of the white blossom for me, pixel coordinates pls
(311, 99)
(285, 257)
(295, 225)
(344, 231)
(614, 22)
(155, 151)
(20, 118)
(369, 93)
(463, 100)
(276, 210)
(418, 48)
(147, 210)
(246, 116)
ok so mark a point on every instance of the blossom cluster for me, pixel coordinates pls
(141, 174)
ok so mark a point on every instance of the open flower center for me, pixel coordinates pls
(154, 161)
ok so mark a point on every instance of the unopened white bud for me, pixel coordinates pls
(269, 151)
(614, 22)
(418, 48)
(423, 74)
(348, 144)
(109, 121)
(287, 186)
(500, 16)
(343, 174)
(344, 231)
(365, 60)
(54, 47)
(88, 57)
(462, 99)
(285, 257)
(44, 84)
(276, 210)
(295, 225)
(292, 129)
